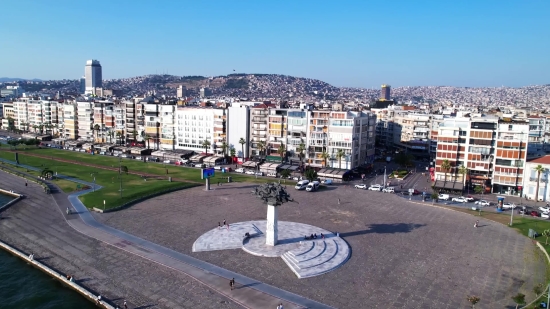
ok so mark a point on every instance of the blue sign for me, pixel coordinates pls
(207, 173)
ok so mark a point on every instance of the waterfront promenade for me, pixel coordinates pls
(56, 234)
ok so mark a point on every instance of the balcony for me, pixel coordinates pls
(259, 119)
(535, 179)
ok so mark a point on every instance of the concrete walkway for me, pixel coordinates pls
(249, 293)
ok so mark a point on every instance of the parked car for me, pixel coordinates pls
(271, 174)
(389, 190)
(361, 186)
(218, 167)
(312, 186)
(301, 185)
(249, 172)
(469, 199)
(239, 170)
(460, 199)
(534, 213)
(545, 215)
(139, 158)
(259, 173)
(444, 197)
(375, 188)
(166, 161)
(327, 181)
(544, 208)
(483, 203)
(413, 191)
(508, 205)
(199, 165)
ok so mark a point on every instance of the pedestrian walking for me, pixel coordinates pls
(224, 222)
(338, 201)
(125, 305)
(26, 184)
(476, 224)
(219, 226)
(232, 283)
(98, 300)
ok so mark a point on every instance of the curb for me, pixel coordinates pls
(87, 294)
(11, 193)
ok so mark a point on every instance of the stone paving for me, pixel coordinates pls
(403, 254)
(306, 258)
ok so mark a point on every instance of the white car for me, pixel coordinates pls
(259, 173)
(139, 158)
(443, 197)
(483, 203)
(459, 199)
(389, 190)
(544, 209)
(508, 206)
(271, 174)
(239, 170)
(375, 188)
(250, 172)
(545, 215)
(327, 181)
(217, 167)
(166, 161)
(469, 199)
(361, 186)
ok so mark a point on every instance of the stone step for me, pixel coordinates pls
(305, 247)
(331, 249)
(318, 249)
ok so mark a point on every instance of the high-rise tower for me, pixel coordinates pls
(386, 91)
(92, 73)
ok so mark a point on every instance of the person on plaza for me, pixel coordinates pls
(125, 305)
(232, 283)
(31, 257)
(219, 226)
(476, 224)
(98, 300)
(224, 222)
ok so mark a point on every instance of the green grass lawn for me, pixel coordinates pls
(185, 173)
(65, 185)
(133, 186)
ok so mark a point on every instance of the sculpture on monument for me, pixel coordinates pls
(274, 195)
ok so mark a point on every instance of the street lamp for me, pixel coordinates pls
(93, 175)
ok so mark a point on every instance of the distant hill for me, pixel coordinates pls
(17, 79)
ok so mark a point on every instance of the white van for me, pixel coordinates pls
(301, 185)
(313, 186)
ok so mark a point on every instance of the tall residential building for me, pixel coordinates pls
(386, 93)
(258, 129)
(492, 149)
(69, 127)
(238, 127)
(93, 76)
(198, 124)
(135, 121)
(35, 115)
(104, 121)
(85, 116)
(82, 85)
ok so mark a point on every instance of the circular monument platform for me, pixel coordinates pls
(306, 258)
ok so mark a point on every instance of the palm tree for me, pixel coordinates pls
(134, 135)
(206, 144)
(233, 153)
(446, 167)
(301, 148)
(325, 156)
(261, 146)
(224, 148)
(41, 128)
(463, 170)
(96, 129)
(35, 127)
(111, 134)
(118, 137)
(539, 169)
(281, 151)
(147, 139)
(339, 154)
(242, 142)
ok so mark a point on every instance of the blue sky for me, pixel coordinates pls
(345, 43)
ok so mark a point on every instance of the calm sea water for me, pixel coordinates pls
(25, 287)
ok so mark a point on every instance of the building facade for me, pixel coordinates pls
(93, 76)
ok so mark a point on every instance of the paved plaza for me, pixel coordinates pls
(305, 257)
(403, 254)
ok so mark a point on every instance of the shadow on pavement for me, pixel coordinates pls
(385, 229)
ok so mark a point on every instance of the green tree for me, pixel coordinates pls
(242, 141)
(446, 167)
(463, 170)
(519, 299)
(233, 153)
(539, 169)
(261, 147)
(148, 140)
(123, 169)
(118, 137)
(301, 148)
(282, 151)
(46, 172)
(96, 130)
(538, 289)
(339, 155)
(285, 173)
(325, 157)
(478, 189)
(310, 174)
(206, 144)
(473, 300)
(224, 148)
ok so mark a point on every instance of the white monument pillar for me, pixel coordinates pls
(271, 231)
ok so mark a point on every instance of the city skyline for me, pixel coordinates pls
(461, 44)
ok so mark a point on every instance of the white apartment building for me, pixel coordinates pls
(531, 179)
(35, 115)
(85, 116)
(194, 125)
(167, 114)
(69, 126)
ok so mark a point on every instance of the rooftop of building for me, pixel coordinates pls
(543, 160)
